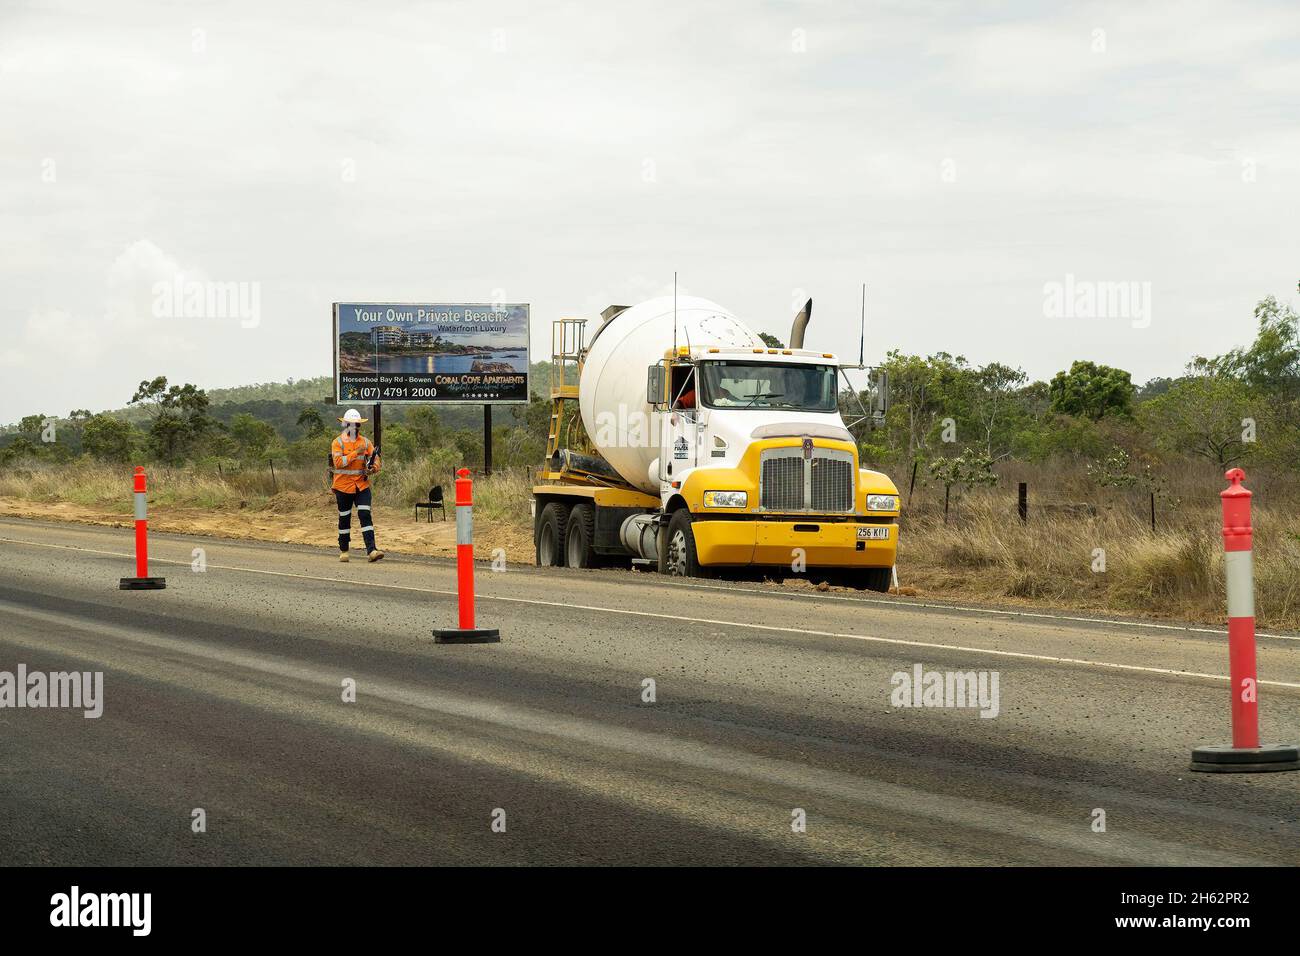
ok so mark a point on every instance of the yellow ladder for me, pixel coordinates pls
(567, 336)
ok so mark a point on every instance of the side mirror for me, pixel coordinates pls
(654, 385)
(879, 384)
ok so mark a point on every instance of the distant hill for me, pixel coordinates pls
(305, 390)
(279, 403)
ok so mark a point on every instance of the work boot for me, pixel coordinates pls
(343, 556)
(375, 555)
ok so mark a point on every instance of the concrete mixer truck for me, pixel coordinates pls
(696, 448)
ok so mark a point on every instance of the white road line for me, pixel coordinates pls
(821, 596)
(1021, 655)
(1006, 612)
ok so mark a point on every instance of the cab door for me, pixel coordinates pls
(680, 443)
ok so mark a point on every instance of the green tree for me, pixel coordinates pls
(31, 426)
(470, 446)
(924, 392)
(771, 341)
(1202, 415)
(967, 470)
(20, 448)
(1272, 362)
(994, 401)
(400, 443)
(424, 423)
(179, 413)
(251, 435)
(1091, 391)
(310, 421)
(108, 439)
(1113, 470)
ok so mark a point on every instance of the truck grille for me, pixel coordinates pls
(790, 482)
(782, 484)
(832, 484)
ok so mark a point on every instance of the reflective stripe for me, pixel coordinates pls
(363, 507)
(343, 532)
(366, 527)
(139, 506)
(1241, 583)
(343, 471)
(345, 514)
(464, 525)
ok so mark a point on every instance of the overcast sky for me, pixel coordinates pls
(956, 157)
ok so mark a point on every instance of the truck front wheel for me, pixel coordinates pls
(871, 579)
(551, 525)
(677, 555)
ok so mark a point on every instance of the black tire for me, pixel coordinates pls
(580, 538)
(549, 541)
(870, 579)
(677, 555)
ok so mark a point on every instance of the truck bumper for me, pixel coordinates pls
(825, 545)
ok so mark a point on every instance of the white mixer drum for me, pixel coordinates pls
(612, 391)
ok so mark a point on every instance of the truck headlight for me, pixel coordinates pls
(726, 499)
(882, 502)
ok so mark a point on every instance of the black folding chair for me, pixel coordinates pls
(435, 501)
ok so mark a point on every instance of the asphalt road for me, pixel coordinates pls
(225, 692)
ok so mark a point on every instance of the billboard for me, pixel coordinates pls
(430, 352)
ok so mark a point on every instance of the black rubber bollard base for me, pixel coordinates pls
(142, 584)
(1221, 758)
(474, 635)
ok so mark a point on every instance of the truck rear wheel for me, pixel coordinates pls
(677, 555)
(580, 537)
(551, 527)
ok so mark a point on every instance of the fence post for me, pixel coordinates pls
(1022, 501)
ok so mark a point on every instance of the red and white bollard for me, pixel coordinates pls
(141, 581)
(467, 633)
(1245, 755)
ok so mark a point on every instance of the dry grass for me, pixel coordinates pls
(984, 553)
(987, 553)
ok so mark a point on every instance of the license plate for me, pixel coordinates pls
(874, 534)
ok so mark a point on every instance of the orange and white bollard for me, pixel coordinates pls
(141, 581)
(467, 633)
(1245, 755)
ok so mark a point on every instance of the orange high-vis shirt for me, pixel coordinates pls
(349, 457)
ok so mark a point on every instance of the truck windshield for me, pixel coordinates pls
(808, 388)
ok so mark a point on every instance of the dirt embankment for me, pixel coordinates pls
(396, 527)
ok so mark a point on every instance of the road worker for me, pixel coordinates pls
(355, 458)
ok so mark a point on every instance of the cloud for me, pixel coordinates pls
(431, 152)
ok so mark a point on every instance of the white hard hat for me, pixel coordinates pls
(352, 415)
